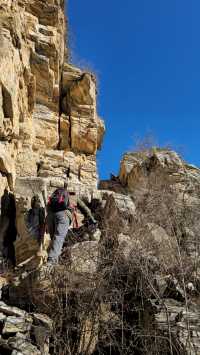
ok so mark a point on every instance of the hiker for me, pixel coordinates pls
(61, 213)
(35, 219)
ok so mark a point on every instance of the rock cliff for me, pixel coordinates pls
(50, 129)
(130, 286)
(49, 122)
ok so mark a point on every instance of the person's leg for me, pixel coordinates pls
(61, 229)
(50, 220)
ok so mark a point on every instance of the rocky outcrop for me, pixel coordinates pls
(23, 332)
(160, 245)
(130, 286)
(138, 168)
(47, 106)
(80, 122)
(139, 277)
(49, 127)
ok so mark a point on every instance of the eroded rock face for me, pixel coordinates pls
(31, 57)
(79, 104)
(138, 168)
(148, 243)
(49, 126)
(45, 104)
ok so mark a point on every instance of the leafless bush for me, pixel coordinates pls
(149, 143)
(146, 143)
(111, 311)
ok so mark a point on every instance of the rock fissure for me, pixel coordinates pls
(7, 103)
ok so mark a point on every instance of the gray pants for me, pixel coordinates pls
(58, 224)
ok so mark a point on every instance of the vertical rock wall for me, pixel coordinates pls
(49, 126)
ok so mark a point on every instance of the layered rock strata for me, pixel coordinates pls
(131, 286)
(49, 122)
(49, 127)
(23, 332)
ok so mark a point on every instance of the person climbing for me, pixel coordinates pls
(61, 213)
(35, 219)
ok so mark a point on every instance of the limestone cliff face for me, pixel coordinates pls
(49, 125)
(131, 286)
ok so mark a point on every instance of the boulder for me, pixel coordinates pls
(84, 257)
(16, 324)
(119, 213)
(12, 311)
(154, 239)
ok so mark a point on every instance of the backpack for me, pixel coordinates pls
(59, 200)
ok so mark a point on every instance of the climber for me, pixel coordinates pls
(61, 213)
(35, 219)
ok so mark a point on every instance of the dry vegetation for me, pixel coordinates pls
(112, 310)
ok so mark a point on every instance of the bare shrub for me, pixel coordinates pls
(113, 310)
(145, 143)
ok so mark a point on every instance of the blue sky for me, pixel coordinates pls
(146, 54)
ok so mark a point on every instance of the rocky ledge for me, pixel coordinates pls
(23, 332)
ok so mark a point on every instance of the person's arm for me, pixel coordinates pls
(85, 209)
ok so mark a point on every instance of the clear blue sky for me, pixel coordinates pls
(147, 57)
